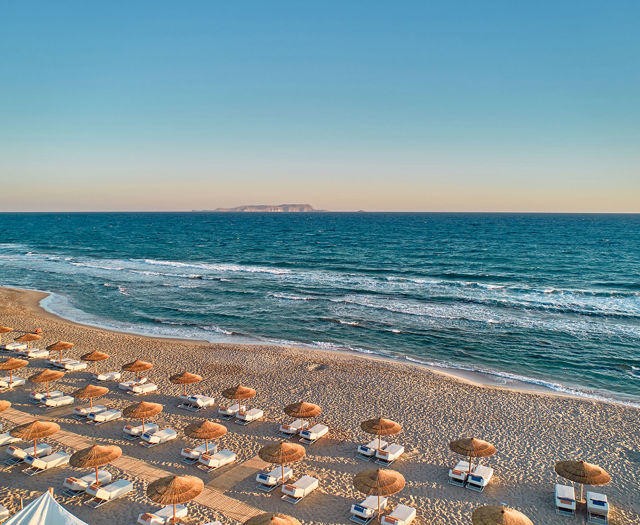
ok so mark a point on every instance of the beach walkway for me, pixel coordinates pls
(212, 496)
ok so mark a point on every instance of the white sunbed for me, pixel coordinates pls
(7, 439)
(15, 347)
(267, 481)
(151, 439)
(34, 353)
(66, 363)
(134, 432)
(41, 397)
(597, 508)
(313, 434)
(479, 478)
(75, 486)
(565, 499)
(458, 474)
(229, 412)
(191, 455)
(401, 515)
(107, 376)
(369, 450)
(18, 454)
(103, 494)
(389, 454)
(56, 402)
(4, 513)
(6, 382)
(162, 516)
(140, 390)
(196, 402)
(244, 418)
(294, 492)
(104, 416)
(367, 509)
(209, 462)
(290, 429)
(40, 464)
(128, 385)
(82, 412)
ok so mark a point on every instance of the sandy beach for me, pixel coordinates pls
(530, 430)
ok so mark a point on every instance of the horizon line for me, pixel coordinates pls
(316, 212)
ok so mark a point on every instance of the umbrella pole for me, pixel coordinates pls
(206, 446)
(60, 360)
(143, 425)
(184, 389)
(35, 448)
(91, 402)
(10, 378)
(97, 480)
(174, 513)
(379, 519)
(47, 385)
(282, 472)
(95, 368)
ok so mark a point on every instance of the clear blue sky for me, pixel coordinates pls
(407, 105)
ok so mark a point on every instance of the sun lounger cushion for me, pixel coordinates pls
(81, 484)
(401, 515)
(74, 366)
(198, 401)
(105, 415)
(230, 411)
(480, 477)
(4, 513)
(315, 432)
(458, 474)
(43, 396)
(565, 498)
(112, 491)
(145, 388)
(59, 401)
(15, 346)
(390, 453)
(275, 476)
(218, 459)
(301, 488)
(21, 453)
(295, 427)
(370, 448)
(7, 382)
(250, 415)
(34, 353)
(162, 516)
(195, 453)
(108, 376)
(127, 385)
(7, 439)
(46, 462)
(597, 505)
(368, 507)
(161, 436)
(85, 411)
(137, 430)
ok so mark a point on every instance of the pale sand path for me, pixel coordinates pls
(530, 431)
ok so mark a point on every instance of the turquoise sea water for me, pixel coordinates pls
(549, 299)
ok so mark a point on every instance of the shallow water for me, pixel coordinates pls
(549, 299)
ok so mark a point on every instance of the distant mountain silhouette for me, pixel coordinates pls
(272, 208)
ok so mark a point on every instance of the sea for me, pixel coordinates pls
(546, 300)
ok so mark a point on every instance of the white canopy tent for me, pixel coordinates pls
(44, 510)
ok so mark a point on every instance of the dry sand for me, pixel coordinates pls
(530, 431)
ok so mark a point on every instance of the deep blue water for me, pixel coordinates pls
(553, 298)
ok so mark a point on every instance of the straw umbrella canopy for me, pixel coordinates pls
(137, 366)
(173, 490)
(239, 392)
(95, 356)
(4, 405)
(282, 454)
(27, 338)
(184, 379)
(206, 430)
(272, 519)
(143, 410)
(472, 448)
(498, 515)
(583, 473)
(90, 392)
(35, 430)
(59, 347)
(4, 330)
(380, 427)
(46, 376)
(94, 457)
(11, 364)
(302, 410)
(379, 482)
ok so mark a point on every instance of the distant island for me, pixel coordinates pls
(271, 208)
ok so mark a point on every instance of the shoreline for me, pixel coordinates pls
(488, 379)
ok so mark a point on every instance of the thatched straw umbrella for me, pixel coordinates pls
(205, 430)
(380, 427)
(282, 454)
(379, 482)
(472, 448)
(302, 410)
(498, 515)
(272, 519)
(184, 379)
(94, 457)
(239, 393)
(174, 490)
(4, 405)
(90, 392)
(11, 364)
(137, 366)
(95, 356)
(35, 430)
(59, 347)
(4, 330)
(27, 338)
(583, 473)
(46, 376)
(143, 410)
